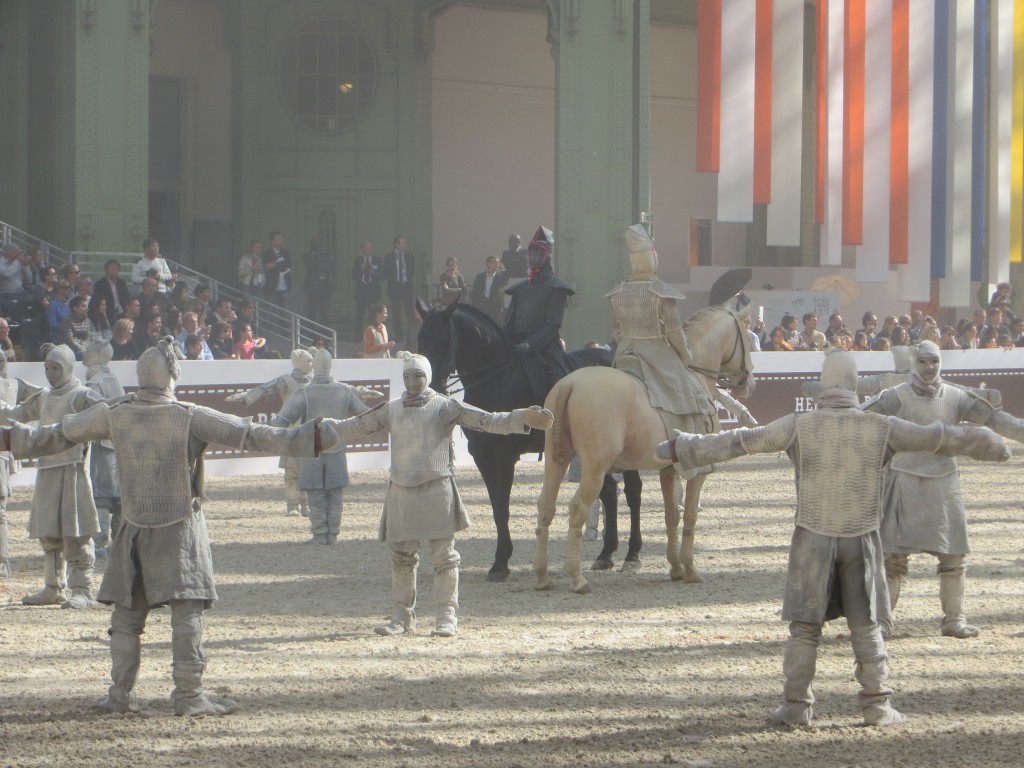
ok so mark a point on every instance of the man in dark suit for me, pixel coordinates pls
(277, 271)
(400, 271)
(112, 289)
(319, 281)
(367, 270)
(513, 258)
(489, 289)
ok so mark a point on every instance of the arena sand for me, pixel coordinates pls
(641, 672)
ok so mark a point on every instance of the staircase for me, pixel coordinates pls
(284, 330)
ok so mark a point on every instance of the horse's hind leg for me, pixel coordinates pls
(632, 486)
(609, 497)
(554, 473)
(690, 508)
(669, 483)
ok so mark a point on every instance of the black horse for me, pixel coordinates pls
(461, 338)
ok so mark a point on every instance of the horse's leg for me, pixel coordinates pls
(591, 479)
(632, 486)
(498, 474)
(610, 501)
(546, 507)
(669, 483)
(690, 509)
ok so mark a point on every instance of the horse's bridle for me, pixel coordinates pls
(737, 347)
(457, 377)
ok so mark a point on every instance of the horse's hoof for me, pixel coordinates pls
(676, 573)
(582, 587)
(631, 566)
(543, 584)
(692, 577)
(602, 564)
(497, 575)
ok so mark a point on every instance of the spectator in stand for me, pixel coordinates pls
(811, 339)
(453, 284)
(246, 313)
(83, 287)
(36, 264)
(75, 329)
(930, 332)
(900, 337)
(980, 319)
(245, 346)
(98, 317)
(221, 342)
(375, 337)
(190, 327)
(222, 312)
(870, 326)
(988, 338)
(881, 344)
(843, 339)
(181, 295)
(1003, 305)
(968, 338)
(835, 325)
(6, 345)
(790, 332)
(152, 260)
(194, 348)
(1004, 291)
(887, 325)
(123, 339)
(250, 269)
(947, 338)
(777, 340)
(861, 342)
(994, 319)
(152, 332)
(1017, 332)
(70, 272)
(752, 334)
(203, 294)
(133, 309)
(1005, 341)
(277, 271)
(916, 322)
(172, 323)
(58, 309)
(151, 297)
(14, 275)
(112, 288)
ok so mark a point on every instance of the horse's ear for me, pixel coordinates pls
(746, 312)
(422, 308)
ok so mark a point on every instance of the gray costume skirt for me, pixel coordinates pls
(103, 472)
(62, 505)
(923, 514)
(174, 563)
(431, 510)
(813, 594)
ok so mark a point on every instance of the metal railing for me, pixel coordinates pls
(283, 329)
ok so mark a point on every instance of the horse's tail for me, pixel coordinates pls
(562, 450)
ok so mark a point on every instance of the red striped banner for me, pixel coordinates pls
(709, 81)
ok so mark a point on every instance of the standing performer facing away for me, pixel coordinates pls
(835, 559)
(322, 479)
(106, 489)
(923, 506)
(63, 514)
(162, 553)
(422, 501)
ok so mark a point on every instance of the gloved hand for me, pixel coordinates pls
(666, 451)
(235, 398)
(366, 394)
(746, 419)
(522, 347)
(536, 417)
(328, 434)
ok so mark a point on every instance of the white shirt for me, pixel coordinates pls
(143, 265)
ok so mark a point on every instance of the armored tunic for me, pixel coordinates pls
(330, 398)
(8, 396)
(535, 318)
(102, 462)
(923, 507)
(164, 538)
(62, 503)
(646, 312)
(422, 501)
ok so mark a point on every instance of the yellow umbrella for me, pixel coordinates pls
(846, 287)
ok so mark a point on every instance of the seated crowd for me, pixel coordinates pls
(44, 303)
(993, 327)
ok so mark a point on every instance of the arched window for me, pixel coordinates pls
(327, 75)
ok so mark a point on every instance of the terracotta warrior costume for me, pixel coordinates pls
(651, 345)
(283, 387)
(534, 318)
(323, 478)
(423, 502)
(10, 389)
(161, 555)
(835, 561)
(63, 514)
(924, 510)
(106, 489)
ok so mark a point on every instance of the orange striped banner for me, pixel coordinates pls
(763, 104)
(709, 81)
(899, 134)
(853, 123)
(820, 176)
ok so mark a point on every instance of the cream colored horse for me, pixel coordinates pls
(603, 416)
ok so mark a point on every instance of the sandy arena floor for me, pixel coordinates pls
(641, 672)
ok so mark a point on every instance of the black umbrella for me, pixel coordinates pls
(728, 285)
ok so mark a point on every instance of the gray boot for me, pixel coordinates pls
(189, 662)
(81, 561)
(5, 558)
(446, 601)
(403, 592)
(799, 665)
(125, 657)
(55, 590)
(875, 693)
(952, 585)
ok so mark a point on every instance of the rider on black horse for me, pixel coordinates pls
(535, 317)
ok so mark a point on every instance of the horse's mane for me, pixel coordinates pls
(701, 320)
(488, 330)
